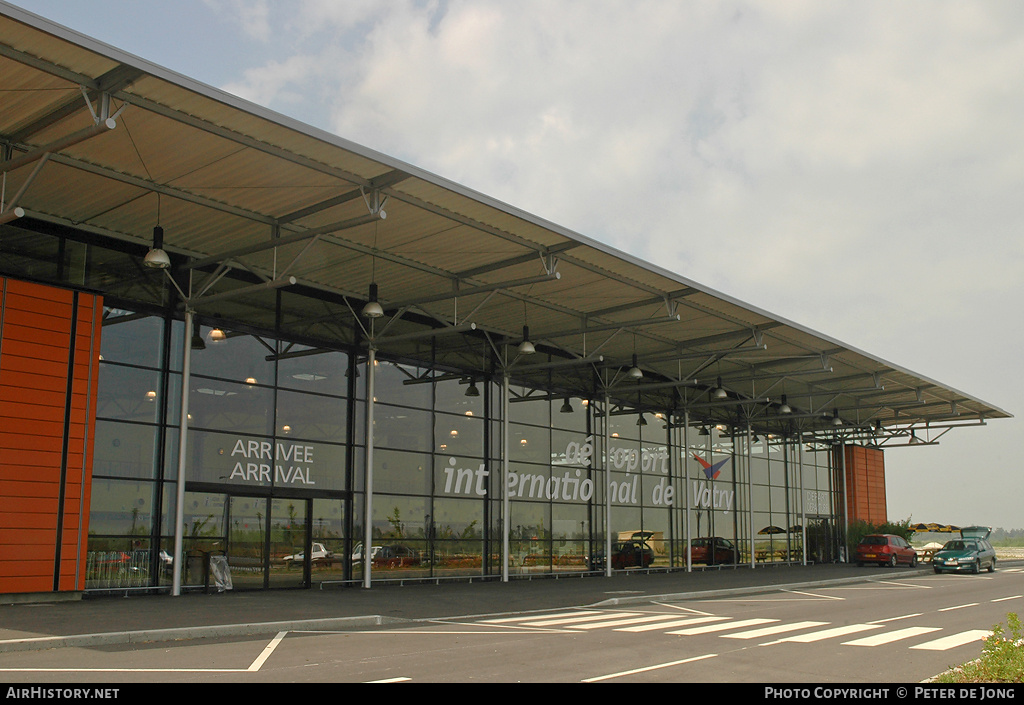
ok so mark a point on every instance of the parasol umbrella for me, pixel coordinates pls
(772, 530)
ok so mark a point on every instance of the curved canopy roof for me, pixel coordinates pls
(260, 211)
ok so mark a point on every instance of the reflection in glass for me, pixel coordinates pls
(124, 450)
(131, 339)
(129, 394)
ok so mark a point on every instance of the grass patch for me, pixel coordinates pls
(1002, 658)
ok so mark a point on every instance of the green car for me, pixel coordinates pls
(970, 553)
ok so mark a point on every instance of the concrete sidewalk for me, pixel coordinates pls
(152, 618)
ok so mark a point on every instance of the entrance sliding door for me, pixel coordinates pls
(288, 541)
(246, 551)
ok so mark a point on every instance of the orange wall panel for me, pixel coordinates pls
(865, 484)
(48, 338)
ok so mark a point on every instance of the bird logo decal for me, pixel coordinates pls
(712, 471)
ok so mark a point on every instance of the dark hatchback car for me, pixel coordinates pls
(970, 553)
(625, 554)
(885, 549)
(395, 556)
(713, 551)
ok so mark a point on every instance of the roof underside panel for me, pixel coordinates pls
(247, 199)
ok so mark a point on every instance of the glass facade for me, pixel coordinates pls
(276, 481)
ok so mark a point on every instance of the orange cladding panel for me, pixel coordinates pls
(49, 350)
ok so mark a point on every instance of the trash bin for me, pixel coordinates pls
(196, 568)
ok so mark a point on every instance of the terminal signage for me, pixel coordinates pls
(705, 494)
(571, 485)
(258, 460)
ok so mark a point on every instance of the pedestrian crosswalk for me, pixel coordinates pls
(762, 630)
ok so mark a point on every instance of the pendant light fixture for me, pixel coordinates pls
(634, 371)
(785, 408)
(720, 392)
(526, 347)
(373, 309)
(156, 258)
(472, 390)
(566, 407)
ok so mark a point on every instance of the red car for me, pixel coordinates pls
(885, 549)
(724, 551)
(625, 554)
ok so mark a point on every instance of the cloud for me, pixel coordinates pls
(852, 166)
(749, 146)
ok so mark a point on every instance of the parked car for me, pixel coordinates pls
(971, 552)
(395, 556)
(885, 549)
(625, 554)
(319, 554)
(357, 552)
(713, 550)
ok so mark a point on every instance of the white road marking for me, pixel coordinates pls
(721, 627)
(578, 618)
(521, 618)
(896, 619)
(669, 625)
(777, 629)
(828, 633)
(889, 637)
(955, 640)
(632, 620)
(655, 667)
(267, 651)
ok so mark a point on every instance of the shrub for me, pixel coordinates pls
(859, 529)
(1002, 658)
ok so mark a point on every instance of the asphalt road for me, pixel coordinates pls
(905, 628)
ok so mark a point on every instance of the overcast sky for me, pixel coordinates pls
(855, 167)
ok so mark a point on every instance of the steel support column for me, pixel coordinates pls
(686, 488)
(505, 513)
(371, 360)
(179, 506)
(750, 497)
(605, 463)
(803, 498)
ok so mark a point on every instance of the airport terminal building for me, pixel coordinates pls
(233, 345)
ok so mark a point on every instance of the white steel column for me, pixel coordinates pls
(605, 463)
(841, 460)
(750, 497)
(368, 473)
(803, 499)
(179, 507)
(686, 487)
(504, 478)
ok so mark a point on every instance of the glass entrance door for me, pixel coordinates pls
(265, 540)
(289, 543)
(246, 550)
(820, 541)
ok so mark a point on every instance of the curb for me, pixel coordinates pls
(750, 590)
(200, 632)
